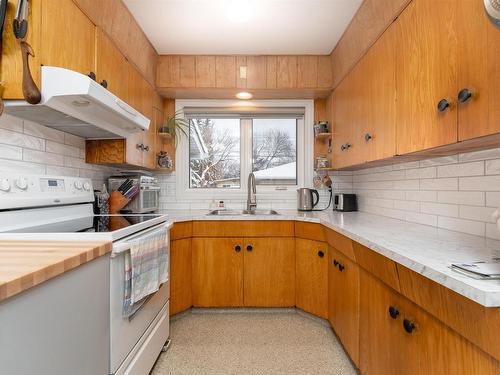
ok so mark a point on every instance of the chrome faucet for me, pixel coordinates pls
(252, 191)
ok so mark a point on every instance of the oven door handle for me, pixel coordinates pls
(121, 247)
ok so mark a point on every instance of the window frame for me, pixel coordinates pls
(305, 163)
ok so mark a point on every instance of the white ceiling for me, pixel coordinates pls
(273, 26)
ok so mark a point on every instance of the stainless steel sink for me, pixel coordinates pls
(241, 212)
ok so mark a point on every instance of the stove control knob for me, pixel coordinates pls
(86, 186)
(78, 185)
(22, 183)
(4, 185)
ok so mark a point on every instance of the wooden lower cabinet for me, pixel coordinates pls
(217, 272)
(311, 273)
(180, 275)
(343, 301)
(398, 337)
(269, 275)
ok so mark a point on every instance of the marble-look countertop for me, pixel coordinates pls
(424, 249)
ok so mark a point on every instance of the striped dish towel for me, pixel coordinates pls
(146, 268)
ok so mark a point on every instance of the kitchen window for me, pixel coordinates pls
(227, 142)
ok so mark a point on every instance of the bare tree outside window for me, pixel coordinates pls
(214, 148)
(274, 151)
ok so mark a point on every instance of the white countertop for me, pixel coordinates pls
(424, 249)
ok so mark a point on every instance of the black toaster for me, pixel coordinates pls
(345, 202)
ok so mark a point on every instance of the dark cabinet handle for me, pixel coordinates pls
(443, 105)
(145, 148)
(408, 325)
(92, 76)
(335, 263)
(341, 268)
(140, 146)
(464, 95)
(104, 83)
(393, 312)
(345, 146)
(249, 248)
(237, 248)
(368, 137)
(321, 254)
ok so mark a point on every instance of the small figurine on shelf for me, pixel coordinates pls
(164, 160)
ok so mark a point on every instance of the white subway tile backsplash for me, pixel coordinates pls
(456, 192)
(460, 225)
(27, 147)
(463, 169)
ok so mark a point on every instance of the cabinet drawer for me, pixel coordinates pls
(310, 231)
(477, 323)
(182, 230)
(378, 265)
(243, 229)
(340, 242)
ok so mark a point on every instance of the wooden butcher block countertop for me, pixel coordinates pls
(24, 264)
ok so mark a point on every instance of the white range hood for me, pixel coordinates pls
(76, 104)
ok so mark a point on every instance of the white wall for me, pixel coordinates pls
(27, 147)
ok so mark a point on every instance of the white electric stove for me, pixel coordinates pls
(61, 208)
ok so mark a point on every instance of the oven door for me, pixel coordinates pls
(127, 331)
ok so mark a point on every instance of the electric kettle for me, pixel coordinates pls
(305, 199)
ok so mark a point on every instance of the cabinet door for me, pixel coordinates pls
(312, 277)
(68, 37)
(149, 137)
(217, 272)
(133, 151)
(111, 66)
(426, 74)
(380, 79)
(180, 275)
(343, 301)
(269, 272)
(380, 341)
(478, 72)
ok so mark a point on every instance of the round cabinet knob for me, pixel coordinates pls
(335, 263)
(78, 185)
(409, 326)
(237, 248)
(368, 137)
(393, 312)
(4, 184)
(86, 186)
(104, 83)
(22, 183)
(321, 254)
(92, 76)
(443, 105)
(464, 95)
(249, 248)
(341, 268)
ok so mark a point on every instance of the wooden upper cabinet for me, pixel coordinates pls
(205, 71)
(286, 72)
(269, 276)
(312, 276)
(150, 136)
(426, 74)
(307, 72)
(217, 272)
(135, 89)
(111, 66)
(379, 99)
(68, 37)
(225, 71)
(256, 72)
(478, 72)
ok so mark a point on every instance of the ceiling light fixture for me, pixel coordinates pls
(238, 11)
(244, 95)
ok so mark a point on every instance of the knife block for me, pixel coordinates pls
(116, 202)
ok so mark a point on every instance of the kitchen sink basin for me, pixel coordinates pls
(241, 212)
